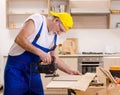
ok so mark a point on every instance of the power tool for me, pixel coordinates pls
(48, 69)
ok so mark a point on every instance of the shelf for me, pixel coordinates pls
(27, 11)
(18, 10)
(115, 11)
(89, 11)
(59, 5)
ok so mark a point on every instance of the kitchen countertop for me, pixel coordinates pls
(102, 55)
(80, 54)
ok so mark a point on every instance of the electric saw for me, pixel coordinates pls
(48, 69)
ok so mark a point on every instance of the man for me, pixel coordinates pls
(36, 41)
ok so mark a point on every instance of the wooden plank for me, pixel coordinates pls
(63, 82)
(84, 82)
(68, 78)
(108, 74)
(69, 82)
(60, 84)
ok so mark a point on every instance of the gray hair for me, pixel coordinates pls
(51, 17)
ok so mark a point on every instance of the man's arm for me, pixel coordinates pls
(22, 40)
(62, 66)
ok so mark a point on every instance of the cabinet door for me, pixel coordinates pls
(72, 62)
(111, 61)
(18, 10)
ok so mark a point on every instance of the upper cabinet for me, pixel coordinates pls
(18, 10)
(89, 14)
(115, 14)
(89, 6)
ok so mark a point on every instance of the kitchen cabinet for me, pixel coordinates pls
(18, 10)
(86, 15)
(111, 61)
(115, 13)
(90, 13)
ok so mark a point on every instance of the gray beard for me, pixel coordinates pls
(52, 32)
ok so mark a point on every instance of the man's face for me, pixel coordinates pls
(57, 27)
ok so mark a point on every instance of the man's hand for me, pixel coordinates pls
(74, 72)
(46, 58)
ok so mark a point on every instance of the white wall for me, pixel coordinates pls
(6, 36)
(1, 69)
(89, 39)
(95, 40)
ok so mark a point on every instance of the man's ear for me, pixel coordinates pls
(56, 19)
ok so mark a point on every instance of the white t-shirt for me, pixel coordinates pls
(45, 40)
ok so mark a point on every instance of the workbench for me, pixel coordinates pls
(74, 84)
(80, 85)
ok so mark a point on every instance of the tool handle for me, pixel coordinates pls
(53, 60)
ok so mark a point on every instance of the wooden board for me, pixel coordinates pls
(67, 78)
(63, 82)
(84, 82)
(108, 74)
(69, 82)
(60, 84)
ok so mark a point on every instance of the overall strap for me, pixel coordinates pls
(38, 34)
(55, 40)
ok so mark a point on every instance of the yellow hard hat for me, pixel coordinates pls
(65, 18)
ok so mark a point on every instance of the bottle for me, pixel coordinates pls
(118, 25)
(59, 48)
(13, 25)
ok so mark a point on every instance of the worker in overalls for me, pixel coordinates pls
(36, 41)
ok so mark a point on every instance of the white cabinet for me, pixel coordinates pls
(111, 61)
(18, 10)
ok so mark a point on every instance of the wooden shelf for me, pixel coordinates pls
(89, 11)
(18, 10)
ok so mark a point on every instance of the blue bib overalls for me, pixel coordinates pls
(19, 76)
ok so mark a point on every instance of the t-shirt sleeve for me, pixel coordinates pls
(37, 18)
